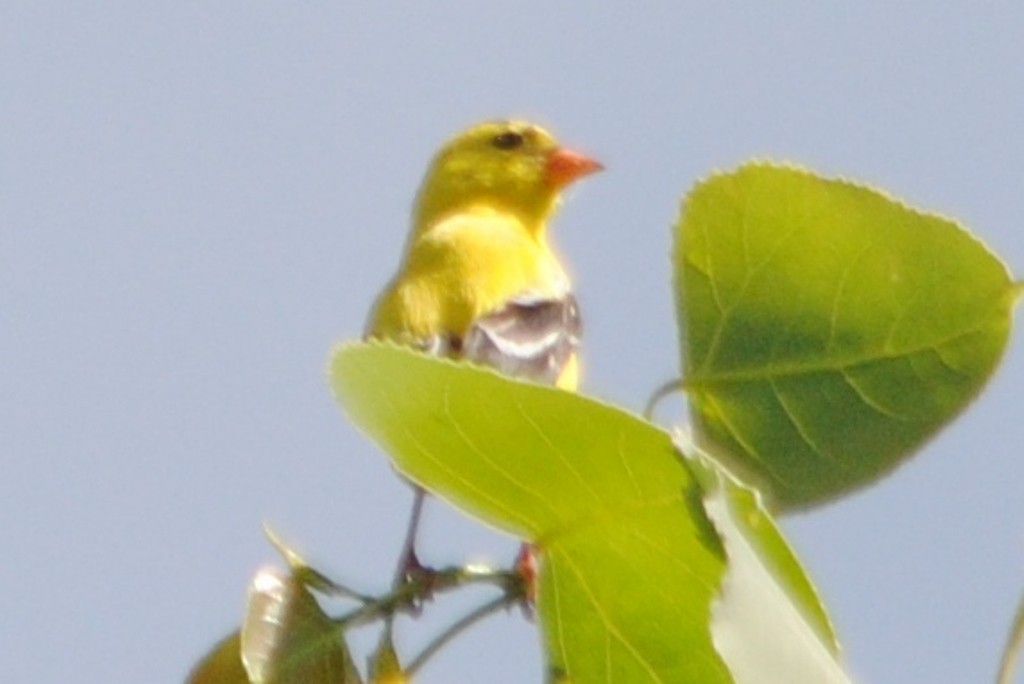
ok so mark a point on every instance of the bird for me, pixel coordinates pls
(478, 280)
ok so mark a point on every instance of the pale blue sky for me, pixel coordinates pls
(198, 199)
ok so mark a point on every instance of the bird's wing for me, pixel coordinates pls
(530, 336)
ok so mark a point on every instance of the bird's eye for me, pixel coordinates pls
(509, 140)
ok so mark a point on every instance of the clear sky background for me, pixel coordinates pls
(198, 199)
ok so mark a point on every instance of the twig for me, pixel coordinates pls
(434, 581)
(457, 628)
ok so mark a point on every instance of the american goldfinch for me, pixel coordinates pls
(478, 280)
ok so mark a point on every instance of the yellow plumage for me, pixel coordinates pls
(478, 279)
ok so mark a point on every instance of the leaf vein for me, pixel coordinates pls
(559, 453)
(461, 433)
(798, 424)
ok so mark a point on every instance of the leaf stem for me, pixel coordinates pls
(316, 580)
(665, 389)
(407, 558)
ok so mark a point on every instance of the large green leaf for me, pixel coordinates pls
(630, 562)
(828, 330)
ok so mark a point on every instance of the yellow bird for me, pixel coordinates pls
(478, 280)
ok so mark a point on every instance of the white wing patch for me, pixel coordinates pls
(529, 337)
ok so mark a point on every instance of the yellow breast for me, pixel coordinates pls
(464, 266)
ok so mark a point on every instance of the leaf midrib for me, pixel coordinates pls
(699, 380)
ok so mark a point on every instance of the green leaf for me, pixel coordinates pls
(1011, 651)
(287, 638)
(222, 665)
(828, 330)
(767, 622)
(384, 665)
(526, 458)
(630, 563)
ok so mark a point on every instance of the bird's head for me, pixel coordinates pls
(514, 166)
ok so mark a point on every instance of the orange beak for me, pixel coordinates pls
(564, 166)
